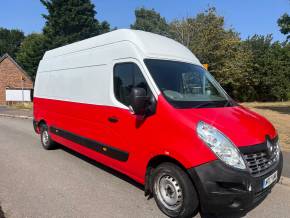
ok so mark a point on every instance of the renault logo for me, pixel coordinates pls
(270, 148)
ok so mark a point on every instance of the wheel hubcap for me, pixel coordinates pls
(45, 137)
(168, 192)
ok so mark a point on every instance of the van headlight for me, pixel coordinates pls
(277, 150)
(223, 148)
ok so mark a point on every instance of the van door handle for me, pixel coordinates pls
(113, 119)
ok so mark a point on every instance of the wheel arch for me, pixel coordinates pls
(37, 125)
(41, 122)
(153, 163)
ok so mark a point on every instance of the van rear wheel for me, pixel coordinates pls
(45, 138)
(174, 192)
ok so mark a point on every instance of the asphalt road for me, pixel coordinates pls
(61, 183)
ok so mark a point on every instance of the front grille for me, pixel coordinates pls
(260, 160)
(258, 163)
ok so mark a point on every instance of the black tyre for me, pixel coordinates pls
(45, 138)
(174, 192)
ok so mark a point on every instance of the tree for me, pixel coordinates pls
(151, 21)
(284, 23)
(206, 36)
(255, 69)
(10, 41)
(183, 30)
(271, 68)
(69, 21)
(31, 52)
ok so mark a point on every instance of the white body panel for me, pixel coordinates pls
(17, 95)
(83, 71)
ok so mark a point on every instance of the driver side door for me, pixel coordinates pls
(127, 128)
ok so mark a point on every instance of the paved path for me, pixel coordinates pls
(286, 167)
(60, 183)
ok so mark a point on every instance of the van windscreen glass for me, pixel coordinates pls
(187, 85)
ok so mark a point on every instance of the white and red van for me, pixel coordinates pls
(144, 105)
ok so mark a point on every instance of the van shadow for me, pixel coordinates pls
(103, 167)
(280, 109)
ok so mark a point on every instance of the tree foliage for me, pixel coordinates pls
(69, 21)
(206, 37)
(254, 69)
(151, 21)
(284, 23)
(10, 41)
(31, 52)
(270, 69)
(66, 22)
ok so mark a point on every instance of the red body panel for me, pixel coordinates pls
(242, 126)
(168, 132)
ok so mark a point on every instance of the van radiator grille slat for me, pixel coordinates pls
(260, 162)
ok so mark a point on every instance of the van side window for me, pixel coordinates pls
(126, 77)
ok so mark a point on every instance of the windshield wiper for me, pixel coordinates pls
(203, 104)
(215, 103)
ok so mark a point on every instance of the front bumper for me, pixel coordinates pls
(226, 191)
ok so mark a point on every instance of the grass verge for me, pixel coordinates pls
(22, 106)
(278, 113)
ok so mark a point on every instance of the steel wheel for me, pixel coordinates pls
(169, 192)
(46, 141)
(174, 192)
(45, 137)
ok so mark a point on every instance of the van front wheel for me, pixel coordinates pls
(45, 138)
(174, 192)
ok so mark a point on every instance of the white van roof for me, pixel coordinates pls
(150, 44)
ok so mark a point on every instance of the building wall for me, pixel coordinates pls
(10, 76)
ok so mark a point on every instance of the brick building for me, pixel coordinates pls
(15, 84)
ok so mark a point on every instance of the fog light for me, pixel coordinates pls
(235, 204)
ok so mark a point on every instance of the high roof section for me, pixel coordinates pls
(151, 45)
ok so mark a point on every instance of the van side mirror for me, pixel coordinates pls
(138, 101)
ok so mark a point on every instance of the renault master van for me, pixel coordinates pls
(144, 105)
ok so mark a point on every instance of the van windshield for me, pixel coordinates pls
(187, 85)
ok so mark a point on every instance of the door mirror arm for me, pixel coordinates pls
(151, 106)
